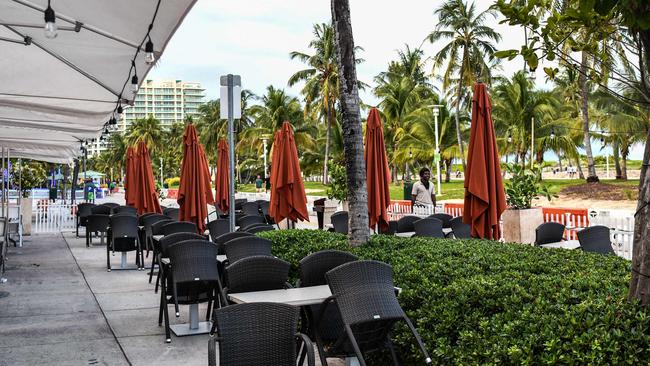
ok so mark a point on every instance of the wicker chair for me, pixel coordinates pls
(83, 210)
(340, 222)
(172, 213)
(445, 218)
(429, 227)
(247, 228)
(124, 238)
(237, 249)
(125, 209)
(264, 208)
(223, 239)
(179, 227)
(96, 223)
(163, 244)
(251, 208)
(406, 224)
(596, 239)
(193, 278)
(3, 242)
(257, 334)
(391, 229)
(239, 202)
(549, 232)
(218, 227)
(248, 220)
(103, 209)
(260, 228)
(460, 229)
(365, 295)
(330, 326)
(112, 205)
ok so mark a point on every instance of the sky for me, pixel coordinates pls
(253, 38)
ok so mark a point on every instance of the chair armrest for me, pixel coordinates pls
(309, 346)
(287, 285)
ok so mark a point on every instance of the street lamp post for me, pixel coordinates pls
(436, 113)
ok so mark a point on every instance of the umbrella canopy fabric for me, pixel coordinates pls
(194, 192)
(222, 178)
(130, 179)
(144, 190)
(377, 171)
(58, 92)
(485, 198)
(288, 199)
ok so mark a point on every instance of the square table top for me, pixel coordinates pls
(300, 296)
(565, 244)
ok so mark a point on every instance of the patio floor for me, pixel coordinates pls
(61, 307)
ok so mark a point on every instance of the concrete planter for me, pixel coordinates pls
(519, 225)
(26, 211)
(330, 208)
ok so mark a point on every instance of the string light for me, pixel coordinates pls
(552, 133)
(410, 153)
(119, 111)
(50, 22)
(509, 136)
(149, 56)
(134, 79)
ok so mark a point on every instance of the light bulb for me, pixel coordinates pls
(509, 138)
(119, 112)
(134, 84)
(149, 56)
(112, 121)
(552, 134)
(50, 23)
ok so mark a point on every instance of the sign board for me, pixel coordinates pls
(436, 158)
(236, 95)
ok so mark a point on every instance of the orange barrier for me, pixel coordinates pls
(572, 218)
(172, 193)
(453, 209)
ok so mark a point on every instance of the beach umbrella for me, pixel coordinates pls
(129, 179)
(485, 198)
(377, 172)
(222, 179)
(144, 189)
(288, 199)
(194, 193)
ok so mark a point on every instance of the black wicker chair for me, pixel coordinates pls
(596, 239)
(445, 218)
(239, 248)
(3, 243)
(218, 227)
(112, 205)
(264, 208)
(365, 295)
(429, 227)
(223, 239)
(172, 213)
(312, 273)
(193, 278)
(248, 220)
(103, 209)
(124, 238)
(179, 227)
(239, 202)
(549, 232)
(340, 222)
(460, 229)
(163, 244)
(251, 208)
(391, 229)
(406, 224)
(83, 210)
(125, 209)
(257, 334)
(260, 228)
(247, 228)
(96, 223)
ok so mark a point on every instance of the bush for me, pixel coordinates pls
(486, 303)
(173, 182)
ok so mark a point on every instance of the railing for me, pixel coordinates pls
(54, 217)
(571, 218)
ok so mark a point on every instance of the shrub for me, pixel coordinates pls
(486, 303)
(173, 182)
(338, 187)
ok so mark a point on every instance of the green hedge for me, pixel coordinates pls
(487, 303)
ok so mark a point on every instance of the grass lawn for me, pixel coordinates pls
(454, 189)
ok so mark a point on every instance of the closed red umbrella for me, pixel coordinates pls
(144, 190)
(377, 172)
(129, 194)
(222, 179)
(288, 199)
(194, 193)
(485, 199)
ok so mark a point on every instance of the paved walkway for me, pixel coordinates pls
(61, 307)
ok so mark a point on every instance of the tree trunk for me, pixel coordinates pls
(617, 162)
(355, 166)
(584, 112)
(458, 134)
(625, 152)
(559, 161)
(580, 173)
(448, 170)
(327, 142)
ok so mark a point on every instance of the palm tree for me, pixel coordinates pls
(351, 118)
(470, 45)
(148, 130)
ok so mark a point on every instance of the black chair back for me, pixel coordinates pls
(251, 208)
(445, 218)
(218, 227)
(172, 213)
(142, 217)
(314, 266)
(429, 227)
(248, 220)
(179, 227)
(239, 202)
(406, 224)
(125, 209)
(124, 232)
(257, 273)
(223, 239)
(102, 210)
(171, 239)
(156, 227)
(460, 229)
(596, 239)
(340, 222)
(194, 274)
(549, 232)
(84, 209)
(260, 228)
(237, 249)
(112, 205)
(97, 223)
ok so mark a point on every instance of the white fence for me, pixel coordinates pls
(54, 217)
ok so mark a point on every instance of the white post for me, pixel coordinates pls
(161, 172)
(265, 168)
(436, 112)
(231, 109)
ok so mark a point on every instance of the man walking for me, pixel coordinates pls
(422, 193)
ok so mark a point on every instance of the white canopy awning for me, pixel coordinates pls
(57, 92)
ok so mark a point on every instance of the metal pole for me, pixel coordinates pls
(231, 143)
(265, 168)
(84, 185)
(161, 172)
(532, 141)
(20, 202)
(4, 196)
(438, 176)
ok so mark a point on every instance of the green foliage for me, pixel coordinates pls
(338, 187)
(30, 175)
(524, 186)
(174, 182)
(486, 303)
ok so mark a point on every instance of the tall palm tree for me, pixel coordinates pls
(468, 51)
(351, 118)
(148, 130)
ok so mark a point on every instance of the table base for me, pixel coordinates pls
(181, 330)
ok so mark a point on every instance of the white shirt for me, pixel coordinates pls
(422, 194)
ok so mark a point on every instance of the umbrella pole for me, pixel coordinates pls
(231, 152)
